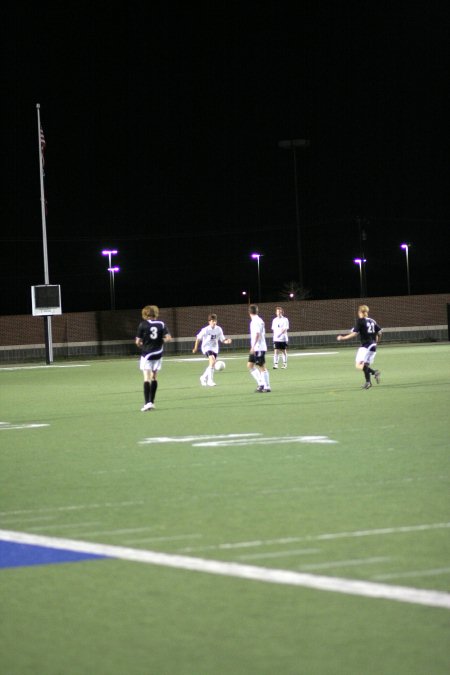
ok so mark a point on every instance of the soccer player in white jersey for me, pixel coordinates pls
(210, 336)
(258, 347)
(280, 327)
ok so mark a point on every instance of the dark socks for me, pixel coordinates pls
(153, 388)
(147, 392)
(367, 372)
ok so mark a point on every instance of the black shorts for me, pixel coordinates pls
(258, 358)
(280, 345)
(210, 353)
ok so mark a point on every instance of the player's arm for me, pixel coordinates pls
(227, 341)
(138, 342)
(257, 336)
(195, 347)
(350, 335)
(167, 337)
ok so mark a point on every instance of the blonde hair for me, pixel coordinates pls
(150, 312)
(363, 309)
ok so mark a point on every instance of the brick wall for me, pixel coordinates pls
(185, 322)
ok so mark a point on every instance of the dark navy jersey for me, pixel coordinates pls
(368, 330)
(152, 333)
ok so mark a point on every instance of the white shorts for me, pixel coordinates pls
(147, 364)
(364, 355)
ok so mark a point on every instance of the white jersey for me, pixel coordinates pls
(210, 339)
(257, 326)
(280, 327)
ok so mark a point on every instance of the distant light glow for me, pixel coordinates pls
(109, 252)
(404, 246)
(256, 256)
(358, 261)
(113, 269)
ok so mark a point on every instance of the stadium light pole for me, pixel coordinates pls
(360, 261)
(112, 271)
(293, 144)
(257, 256)
(245, 294)
(110, 253)
(405, 247)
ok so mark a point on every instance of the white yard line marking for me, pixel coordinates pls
(269, 440)
(6, 426)
(232, 440)
(275, 576)
(322, 537)
(416, 573)
(191, 439)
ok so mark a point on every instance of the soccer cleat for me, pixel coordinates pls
(377, 376)
(147, 406)
(267, 389)
(259, 390)
(211, 383)
(203, 381)
(275, 366)
(284, 365)
(367, 385)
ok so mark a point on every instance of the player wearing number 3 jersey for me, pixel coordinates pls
(151, 336)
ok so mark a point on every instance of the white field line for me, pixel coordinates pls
(416, 573)
(270, 440)
(275, 576)
(6, 426)
(321, 537)
(47, 367)
(232, 440)
(191, 439)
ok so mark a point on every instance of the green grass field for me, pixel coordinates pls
(264, 488)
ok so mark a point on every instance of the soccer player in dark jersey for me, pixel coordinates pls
(151, 336)
(370, 334)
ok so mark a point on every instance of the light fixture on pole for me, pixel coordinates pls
(257, 256)
(293, 145)
(110, 253)
(246, 295)
(360, 261)
(405, 247)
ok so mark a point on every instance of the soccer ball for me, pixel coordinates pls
(220, 365)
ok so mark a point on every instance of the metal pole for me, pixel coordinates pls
(407, 269)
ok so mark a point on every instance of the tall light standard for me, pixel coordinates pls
(110, 253)
(360, 261)
(405, 247)
(257, 256)
(246, 295)
(293, 145)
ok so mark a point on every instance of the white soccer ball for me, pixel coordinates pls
(220, 365)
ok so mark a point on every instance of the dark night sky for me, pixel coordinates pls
(162, 121)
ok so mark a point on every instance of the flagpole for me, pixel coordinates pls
(47, 319)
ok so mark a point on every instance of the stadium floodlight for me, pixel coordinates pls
(405, 247)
